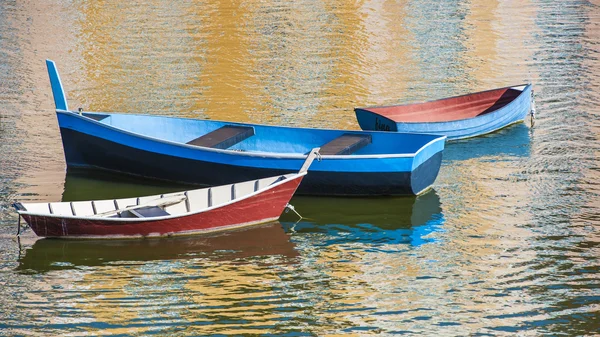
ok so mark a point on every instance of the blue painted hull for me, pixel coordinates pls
(511, 113)
(155, 147)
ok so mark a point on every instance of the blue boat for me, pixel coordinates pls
(207, 152)
(457, 117)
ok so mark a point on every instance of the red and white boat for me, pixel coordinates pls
(181, 213)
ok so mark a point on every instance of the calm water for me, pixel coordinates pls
(507, 242)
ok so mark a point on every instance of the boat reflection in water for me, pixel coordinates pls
(513, 141)
(405, 220)
(262, 240)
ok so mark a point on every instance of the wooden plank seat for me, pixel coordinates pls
(348, 143)
(223, 137)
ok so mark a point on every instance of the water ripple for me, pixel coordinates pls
(506, 243)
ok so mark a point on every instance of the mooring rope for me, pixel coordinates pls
(291, 207)
(319, 158)
(19, 226)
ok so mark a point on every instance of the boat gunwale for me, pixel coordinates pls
(366, 109)
(270, 155)
(292, 176)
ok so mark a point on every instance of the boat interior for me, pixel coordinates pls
(231, 136)
(172, 204)
(450, 109)
(263, 138)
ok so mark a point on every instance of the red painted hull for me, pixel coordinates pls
(263, 207)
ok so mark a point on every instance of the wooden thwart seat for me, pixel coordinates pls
(345, 144)
(223, 137)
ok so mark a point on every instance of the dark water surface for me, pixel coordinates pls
(507, 242)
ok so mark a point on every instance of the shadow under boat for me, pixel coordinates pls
(514, 141)
(261, 240)
(87, 184)
(407, 220)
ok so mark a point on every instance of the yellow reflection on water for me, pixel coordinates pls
(38, 34)
(245, 62)
(386, 54)
(482, 40)
(139, 285)
(106, 297)
(229, 292)
(220, 48)
(498, 32)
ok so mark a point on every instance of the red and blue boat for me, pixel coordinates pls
(457, 117)
(211, 152)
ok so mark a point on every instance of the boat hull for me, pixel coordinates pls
(89, 144)
(513, 112)
(257, 209)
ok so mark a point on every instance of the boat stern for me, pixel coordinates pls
(426, 165)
